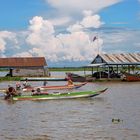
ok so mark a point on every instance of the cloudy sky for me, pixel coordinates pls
(68, 33)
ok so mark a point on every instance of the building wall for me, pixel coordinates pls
(30, 72)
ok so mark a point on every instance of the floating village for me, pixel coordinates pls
(104, 67)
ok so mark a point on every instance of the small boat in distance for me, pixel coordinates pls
(78, 78)
(130, 77)
(56, 96)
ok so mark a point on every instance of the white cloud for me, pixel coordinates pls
(87, 13)
(75, 45)
(91, 21)
(75, 28)
(76, 6)
(88, 21)
(2, 45)
(65, 13)
(60, 21)
(27, 54)
(40, 31)
(42, 39)
(6, 38)
(78, 46)
(120, 40)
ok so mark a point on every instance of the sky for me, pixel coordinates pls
(68, 33)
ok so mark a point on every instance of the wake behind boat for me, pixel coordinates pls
(54, 96)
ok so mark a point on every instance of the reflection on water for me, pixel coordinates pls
(76, 119)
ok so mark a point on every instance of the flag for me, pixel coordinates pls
(94, 38)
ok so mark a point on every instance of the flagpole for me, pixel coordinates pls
(98, 44)
(94, 39)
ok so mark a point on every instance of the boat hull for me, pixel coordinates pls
(56, 96)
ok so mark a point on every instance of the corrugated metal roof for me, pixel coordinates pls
(23, 62)
(130, 58)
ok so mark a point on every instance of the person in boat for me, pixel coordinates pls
(36, 92)
(70, 82)
(18, 88)
(44, 83)
(26, 84)
(10, 92)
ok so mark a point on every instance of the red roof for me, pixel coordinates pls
(23, 62)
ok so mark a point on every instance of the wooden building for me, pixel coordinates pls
(116, 63)
(25, 66)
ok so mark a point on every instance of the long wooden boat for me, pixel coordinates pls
(57, 87)
(43, 79)
(54, 96)
(74, 86)
(131, 77)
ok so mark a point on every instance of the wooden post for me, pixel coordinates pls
(11, 72)
(84, 72)
(128, 68)
(117, 69)
(92, 71)
(108, 72)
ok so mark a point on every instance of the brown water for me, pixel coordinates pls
(75, 119)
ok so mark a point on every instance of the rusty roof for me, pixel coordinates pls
(23, 62)
(130, 58)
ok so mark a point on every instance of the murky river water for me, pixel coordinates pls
(75, 119)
